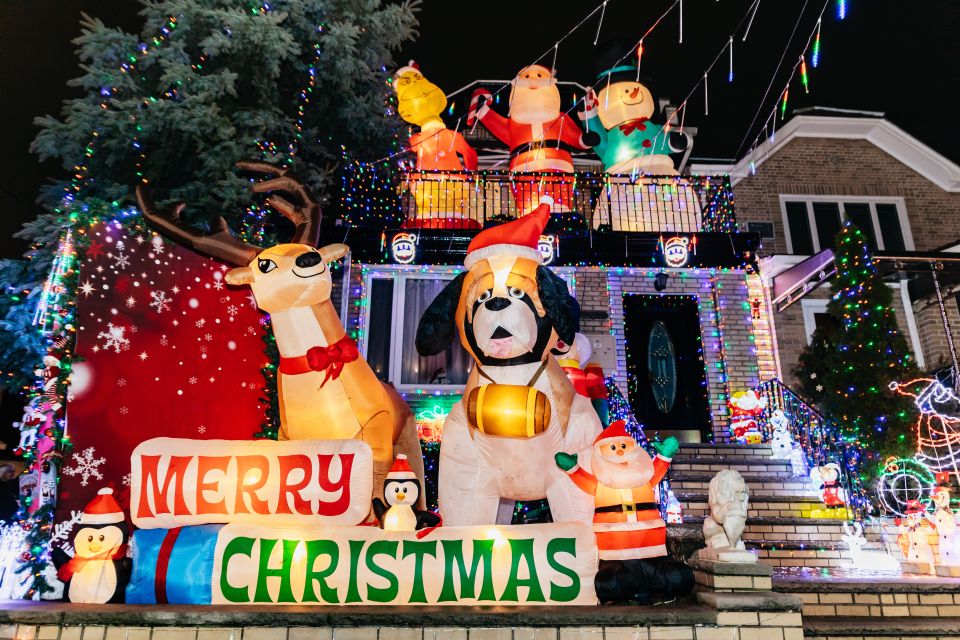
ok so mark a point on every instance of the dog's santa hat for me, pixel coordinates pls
(515, 238)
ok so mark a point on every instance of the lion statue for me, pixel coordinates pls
(728, 497)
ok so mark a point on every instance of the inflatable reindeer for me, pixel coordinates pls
(327, 391)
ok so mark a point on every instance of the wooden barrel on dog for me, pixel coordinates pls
(508, 410)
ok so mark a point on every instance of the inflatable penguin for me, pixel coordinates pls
(401, 489)
(99, 570)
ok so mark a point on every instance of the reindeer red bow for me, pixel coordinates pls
(328, 359)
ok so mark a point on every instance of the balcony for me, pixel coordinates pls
(471, 200)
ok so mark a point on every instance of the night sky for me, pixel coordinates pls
(896, 57)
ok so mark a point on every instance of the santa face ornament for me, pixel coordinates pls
(620, 464)
(534, 96)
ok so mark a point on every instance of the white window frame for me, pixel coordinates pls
(400, 274)
(811, 307)
(871, 201)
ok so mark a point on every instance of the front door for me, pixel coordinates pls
(667, 383)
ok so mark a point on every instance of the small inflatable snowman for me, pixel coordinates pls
(781, 442)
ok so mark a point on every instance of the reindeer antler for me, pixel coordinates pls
(305, 216)
(221, 244)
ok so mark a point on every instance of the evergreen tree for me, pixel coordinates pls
(207, 83)
(850, 362)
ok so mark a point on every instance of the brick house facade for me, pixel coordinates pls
(859, 165)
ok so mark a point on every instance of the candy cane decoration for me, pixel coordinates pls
(476, 110)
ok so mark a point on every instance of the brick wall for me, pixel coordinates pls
(817, 166)
(792, 334)
(731, 625)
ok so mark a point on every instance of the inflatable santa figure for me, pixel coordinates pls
(746, 408)
(586, 376)
(631, 535)
(441, 199)
(539, 135)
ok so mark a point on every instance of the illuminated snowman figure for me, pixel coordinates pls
(946, 523)
(781, 442)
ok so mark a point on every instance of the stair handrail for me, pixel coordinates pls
(819, 437)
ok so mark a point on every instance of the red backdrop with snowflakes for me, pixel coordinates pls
(164, 348)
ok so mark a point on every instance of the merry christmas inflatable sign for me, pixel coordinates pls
(178, 482)
(253, 564)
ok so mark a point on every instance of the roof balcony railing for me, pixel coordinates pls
(642, 203)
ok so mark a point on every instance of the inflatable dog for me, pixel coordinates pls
(518, 408)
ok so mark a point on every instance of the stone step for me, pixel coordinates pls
(759, 484)
(761, 461)
(695, 504)
(869, 626)
(776, 529)
(762, 450)
(707, 465)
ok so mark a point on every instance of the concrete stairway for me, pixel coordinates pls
(810, 561)
(785, 527)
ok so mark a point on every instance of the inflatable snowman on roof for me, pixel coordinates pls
(623, 113)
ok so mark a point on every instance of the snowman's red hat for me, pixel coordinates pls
(515, 238)
(914, 507)
(401, 469)
(103, 509)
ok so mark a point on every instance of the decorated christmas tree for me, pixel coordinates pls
(851, 360)
(204, 85)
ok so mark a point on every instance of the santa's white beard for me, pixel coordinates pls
(636, 472)
(534, 105)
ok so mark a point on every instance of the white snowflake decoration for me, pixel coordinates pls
(192, 380)
(218, 284)
(200, 323)
(121, 261)
(232, 311)
(86, 466)
(157, 243)
(127, 479)
(114, 338)
(201, 429)
(86, 288)
(124, 411)
(160, 302)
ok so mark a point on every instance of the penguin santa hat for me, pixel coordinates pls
(515, 238)
(400, 470)
(103, 509)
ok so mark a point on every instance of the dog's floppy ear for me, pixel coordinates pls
(437, 326)
(562, 309)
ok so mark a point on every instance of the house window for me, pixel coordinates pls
(395, 301)
(812, 223)
(815, 316)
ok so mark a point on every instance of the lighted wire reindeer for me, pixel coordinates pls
(327, 391)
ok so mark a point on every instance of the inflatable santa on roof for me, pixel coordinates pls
(539, 134)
